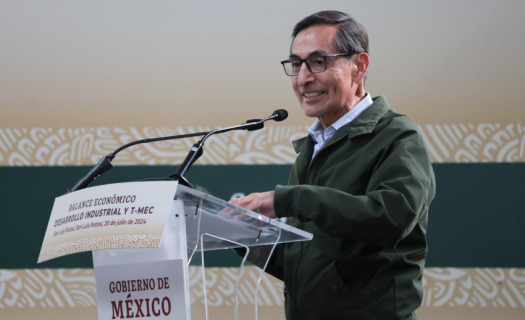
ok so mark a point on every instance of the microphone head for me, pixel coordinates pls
(280, 115)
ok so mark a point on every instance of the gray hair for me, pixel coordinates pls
(351, 35)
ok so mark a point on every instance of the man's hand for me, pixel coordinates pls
(261, 202)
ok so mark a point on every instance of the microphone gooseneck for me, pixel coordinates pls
(105, 163)
(196, 151)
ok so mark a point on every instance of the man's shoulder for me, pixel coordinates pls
(394, 120)
(390, 119)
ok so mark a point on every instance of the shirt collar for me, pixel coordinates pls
(316, 129)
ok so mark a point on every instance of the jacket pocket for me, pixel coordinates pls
(339, 292)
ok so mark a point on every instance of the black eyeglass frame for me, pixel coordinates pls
(308, 65)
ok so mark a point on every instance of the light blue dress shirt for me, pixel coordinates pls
(321, 136)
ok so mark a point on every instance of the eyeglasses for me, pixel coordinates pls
(315, 64)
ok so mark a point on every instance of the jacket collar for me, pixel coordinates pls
(363, 124)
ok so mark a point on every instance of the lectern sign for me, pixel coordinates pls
(151, 290)
(124, 215)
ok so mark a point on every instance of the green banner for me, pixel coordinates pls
(476, 219)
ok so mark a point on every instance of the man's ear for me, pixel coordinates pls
(362, 61)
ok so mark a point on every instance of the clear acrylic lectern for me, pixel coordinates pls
(199, 222)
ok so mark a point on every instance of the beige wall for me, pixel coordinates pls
(173, 63)
(78, 79)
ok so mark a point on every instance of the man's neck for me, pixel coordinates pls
(328, 120)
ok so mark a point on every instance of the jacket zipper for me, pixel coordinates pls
(300, 242)
(318, 152)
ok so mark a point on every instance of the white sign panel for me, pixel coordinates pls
(122, 215)
(147, 290)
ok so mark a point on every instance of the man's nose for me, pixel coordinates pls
(305, 75)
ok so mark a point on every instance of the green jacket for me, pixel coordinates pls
(365, 198)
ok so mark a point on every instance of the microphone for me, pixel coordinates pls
(105, 163)
(197, 149)
(279, 115)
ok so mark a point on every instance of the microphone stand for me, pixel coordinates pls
(105, 163)
(197, 149)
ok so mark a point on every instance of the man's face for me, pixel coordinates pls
(330, 94)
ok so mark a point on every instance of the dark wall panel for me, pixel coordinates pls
(476, 220)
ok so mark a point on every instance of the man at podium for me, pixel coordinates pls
(362, 184)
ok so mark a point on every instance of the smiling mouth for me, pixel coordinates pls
(312, 94)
